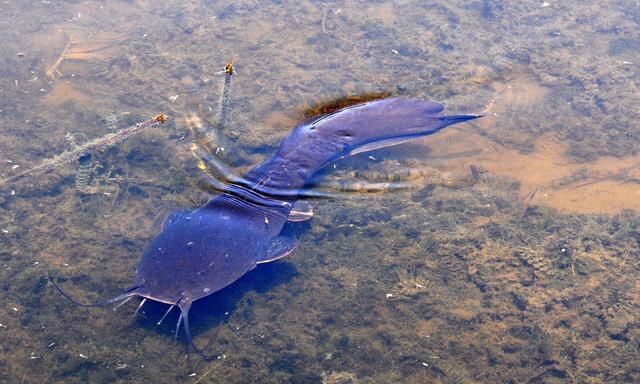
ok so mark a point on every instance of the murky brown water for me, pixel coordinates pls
(514, 258)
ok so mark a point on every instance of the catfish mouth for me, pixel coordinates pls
(183, 303)
(149, 297)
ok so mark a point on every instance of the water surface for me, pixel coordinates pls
(515, 259)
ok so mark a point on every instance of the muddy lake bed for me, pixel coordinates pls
(514, 256)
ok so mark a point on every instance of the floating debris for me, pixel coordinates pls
(91, 146)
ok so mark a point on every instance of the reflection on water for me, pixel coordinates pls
(514, 259)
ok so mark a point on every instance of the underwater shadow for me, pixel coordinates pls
(217, 308)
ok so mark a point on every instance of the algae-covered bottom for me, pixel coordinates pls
(515, 260)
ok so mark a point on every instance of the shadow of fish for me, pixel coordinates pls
(200, 252)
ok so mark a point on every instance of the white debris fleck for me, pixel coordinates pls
(394, 51)
(121, 366)
(192, 374)
(190, 243)
(82, 356)
(425, 364)
(372, 158)
(2, 325)
(5, 231)
(51, 345)
(15, 166)
(173, 98)
(266, 221)
(34, 356)
(15, 309)
(545, 4)
(389, 295)
(419, 286)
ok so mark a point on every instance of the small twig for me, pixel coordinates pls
(70, 54)
(54, 68)
(93, 145)
(225, 98)
(623, 172)
(325, 11)
(324, 21)
(529, 200)
(204, 375)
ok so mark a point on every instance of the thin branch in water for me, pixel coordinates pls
(52, 70)
(325, 12)
(91, 146)
(70, 53)
(529, 198)
(225, 98)
(213, 139)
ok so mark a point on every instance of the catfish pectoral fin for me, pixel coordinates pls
(301, 211)
(279, 247)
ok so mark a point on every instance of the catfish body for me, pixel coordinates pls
(200, 252)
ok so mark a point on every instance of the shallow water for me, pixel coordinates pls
(514, 258)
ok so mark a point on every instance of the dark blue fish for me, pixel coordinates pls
(200, 252)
